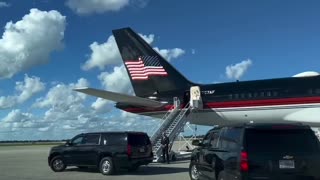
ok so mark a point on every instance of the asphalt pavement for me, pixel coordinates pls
(30, 162)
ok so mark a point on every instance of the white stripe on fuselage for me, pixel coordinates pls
(305, 113)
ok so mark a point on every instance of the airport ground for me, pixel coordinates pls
(30, 162)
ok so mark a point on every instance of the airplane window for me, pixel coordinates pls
(236, 96)
(249, 95)
(262, 94)
(275, 93)
(243, 95)
(317, 91)
(269, 93)
(255, 94)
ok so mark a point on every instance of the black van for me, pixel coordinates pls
(257, 151)
(108, 151)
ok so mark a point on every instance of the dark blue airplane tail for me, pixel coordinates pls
(149, 72)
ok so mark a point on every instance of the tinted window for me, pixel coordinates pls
(206, 139)
(77, 140)
(91, 139)
(214, 142)
(138, 139)
(231, 139)
(294, 141)
(114, 139)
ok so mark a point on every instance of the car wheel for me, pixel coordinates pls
(106, 166)
(193, 171)
(57, 164)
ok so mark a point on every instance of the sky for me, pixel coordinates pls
(49, 47)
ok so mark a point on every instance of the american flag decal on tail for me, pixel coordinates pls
(145, 66)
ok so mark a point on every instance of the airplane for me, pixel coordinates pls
(157, 83)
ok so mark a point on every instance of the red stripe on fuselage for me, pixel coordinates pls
(244, 103)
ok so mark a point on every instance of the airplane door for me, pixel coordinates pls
(195, 97)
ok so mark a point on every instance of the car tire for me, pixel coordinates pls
(193, 171)
(106, 166)
(57, 164)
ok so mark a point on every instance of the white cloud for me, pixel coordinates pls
(83, 7)
(237, 71)
(117, 81)
(170, 54)
(25, 90)
(29, 42)
(29, 87)
(107, 53)
(193, 51)
(148, 38)
(62, 97)
(67, 114)
(103, 54)
(102, 106)
(4, 4)
(18, 121)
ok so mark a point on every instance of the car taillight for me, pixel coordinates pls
(129, 150)
(244, 165)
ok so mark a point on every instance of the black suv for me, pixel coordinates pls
(108, 151)
(251, 151)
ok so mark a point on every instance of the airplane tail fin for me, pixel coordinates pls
(149, 72)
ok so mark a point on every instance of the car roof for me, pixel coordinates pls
(116, 132)
(264, 126)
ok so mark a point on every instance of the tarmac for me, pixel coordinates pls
(30, 162)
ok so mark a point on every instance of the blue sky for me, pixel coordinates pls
(45, 45)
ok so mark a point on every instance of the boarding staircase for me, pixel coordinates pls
(173, 123)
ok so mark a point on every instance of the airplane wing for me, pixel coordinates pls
(122, 98)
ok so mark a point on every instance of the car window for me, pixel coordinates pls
(277, 141)
(230, 139)
(138, 139)
(91, 139)
(214, 141)
(114, 139)
(206, 139)
(77, 140)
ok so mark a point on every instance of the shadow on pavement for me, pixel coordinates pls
(143, 170)
(158, 170)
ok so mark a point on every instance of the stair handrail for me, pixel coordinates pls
(165, 119)
(172, 133)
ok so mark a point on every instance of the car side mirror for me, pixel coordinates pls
(196, 142)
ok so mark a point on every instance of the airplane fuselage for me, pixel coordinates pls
(294, 99)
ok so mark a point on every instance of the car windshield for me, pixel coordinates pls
(273, 141)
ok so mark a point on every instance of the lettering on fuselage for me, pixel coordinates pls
(208, 92)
